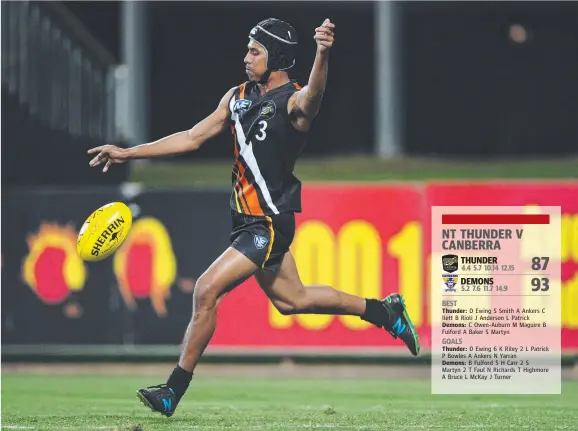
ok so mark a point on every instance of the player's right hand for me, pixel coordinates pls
(324, 35)
(108, 154)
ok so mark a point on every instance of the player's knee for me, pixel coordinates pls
(205, 294)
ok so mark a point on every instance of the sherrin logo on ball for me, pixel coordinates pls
(104, 231)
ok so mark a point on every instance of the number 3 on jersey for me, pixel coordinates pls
(262, 134)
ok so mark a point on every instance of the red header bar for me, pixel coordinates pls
(495, 219)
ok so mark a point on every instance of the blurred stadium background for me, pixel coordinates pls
(428, 103)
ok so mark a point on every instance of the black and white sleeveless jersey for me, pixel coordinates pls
(266, 149)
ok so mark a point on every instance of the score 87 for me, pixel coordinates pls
(537, 263)
(538, 284)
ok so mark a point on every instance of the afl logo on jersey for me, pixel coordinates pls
(268, 110)
(241, 106)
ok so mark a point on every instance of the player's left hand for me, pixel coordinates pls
(324, 35)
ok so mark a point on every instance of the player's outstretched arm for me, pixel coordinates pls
(308, 100)
(177, 143)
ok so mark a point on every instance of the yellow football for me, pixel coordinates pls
(104, 231)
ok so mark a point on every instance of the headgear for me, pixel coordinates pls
(279, 40)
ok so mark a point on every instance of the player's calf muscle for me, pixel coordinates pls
(331, 300)
(320, 299)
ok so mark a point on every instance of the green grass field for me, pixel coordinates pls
(84, 402)
(360, 168)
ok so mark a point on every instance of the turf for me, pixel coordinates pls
(49, 402)
(208, 173)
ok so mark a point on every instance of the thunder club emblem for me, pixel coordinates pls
(450, 262)
(268, 110)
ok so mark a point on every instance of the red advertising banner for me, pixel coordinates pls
(373, 240)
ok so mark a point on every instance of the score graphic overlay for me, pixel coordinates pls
(496, 300)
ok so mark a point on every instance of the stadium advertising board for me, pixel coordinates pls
(370, 240)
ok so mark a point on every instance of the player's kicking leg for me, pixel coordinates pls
(290, 296)
(228, 271)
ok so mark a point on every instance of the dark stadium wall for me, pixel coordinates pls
(54, 99)
(471, 89)
(467, 90)
(467, 87)
(35, 154)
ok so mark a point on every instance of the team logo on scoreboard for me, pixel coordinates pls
(450, 262)
(450, 282)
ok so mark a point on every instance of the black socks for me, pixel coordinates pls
(179, 381)
(376, 313)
